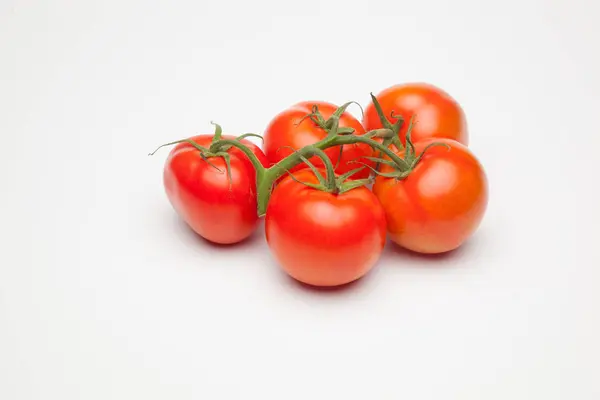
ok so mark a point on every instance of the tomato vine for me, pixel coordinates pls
(336, 136)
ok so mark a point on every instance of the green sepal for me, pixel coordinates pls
(227, 159)
(228, 147)
(342, 109)
(342, 178)
(190, 141)
(427, 148)
(409, 151)
(384, 174)
(337, 163)
(218, 132)
(245, 135)
(347, 186)
(397, 143)
(377, 160)
(206, 157)
(399, 122)
(332, 130)
(384, 121)
(314, 169)
(310, 116)
(312, 185)
(319, 120)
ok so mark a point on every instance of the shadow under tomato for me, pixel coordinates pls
(191, 237)
(340, 290)
(442, 260)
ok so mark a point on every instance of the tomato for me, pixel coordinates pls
(440, 204)
(436, 113)
(220, 210)
(283, 134)
(321, 238)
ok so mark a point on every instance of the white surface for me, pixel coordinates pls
(105, 295)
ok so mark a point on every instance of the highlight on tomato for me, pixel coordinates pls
(324, 231)
(438, 115)
(437, 200)
(307, 123)
(214, 189)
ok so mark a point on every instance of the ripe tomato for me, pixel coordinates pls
(320, 238)
(440, 203)
(436, 113)
(283, 133)
(220, 210)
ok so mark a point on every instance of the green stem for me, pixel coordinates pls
(266, 177)
(264, 185)
(289, 162)
(266, 181)
(382, 133)
(258, 167)
(330, 182)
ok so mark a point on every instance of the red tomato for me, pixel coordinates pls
(283, 133)
(436, 113)
(320, 238)
(440, 204)
(219, 210)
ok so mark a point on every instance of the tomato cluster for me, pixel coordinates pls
(333, 188)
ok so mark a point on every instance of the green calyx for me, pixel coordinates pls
(217, 145)
(216, 150)
(328, 124)
(394, 127)
(330, 183)
(402, 167)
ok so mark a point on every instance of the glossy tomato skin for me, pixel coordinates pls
(437, 114)
(324, 239)
(219, 210)
(283, 133)
(440, 204)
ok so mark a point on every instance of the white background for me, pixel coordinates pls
(105, 294)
